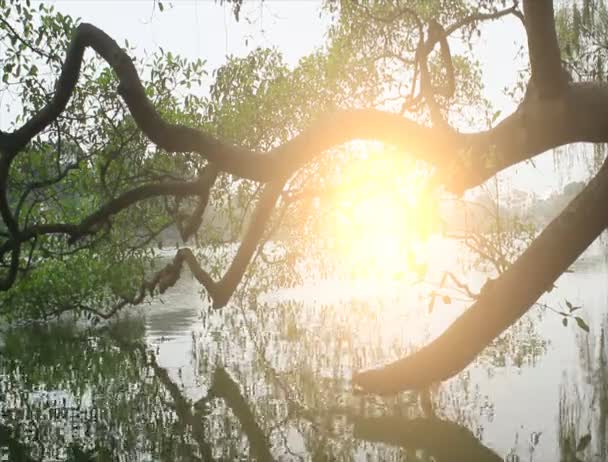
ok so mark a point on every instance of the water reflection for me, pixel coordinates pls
(583, 410)
(431, 438)
(270, 381)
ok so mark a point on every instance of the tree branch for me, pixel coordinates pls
(547, 73)
(220, 291)
(502, 301)
(437, 146)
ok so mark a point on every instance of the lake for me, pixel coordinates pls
(268, 378)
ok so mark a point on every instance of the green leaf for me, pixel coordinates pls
(568, 304)
(581, 323)
(565, 321)
(583, 442)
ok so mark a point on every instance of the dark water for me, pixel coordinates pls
(270, 381)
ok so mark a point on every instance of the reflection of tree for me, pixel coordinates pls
(227, 389)
(138, 413)
(440, 440)
(192, 415)
(299, 376)
(63, 389)
(583, 408)
(284, 389)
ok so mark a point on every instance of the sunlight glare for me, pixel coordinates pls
(384, 214)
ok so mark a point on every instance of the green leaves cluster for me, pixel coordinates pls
(582, 28)
(569, 314)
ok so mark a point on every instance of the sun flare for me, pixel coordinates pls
(383, 216)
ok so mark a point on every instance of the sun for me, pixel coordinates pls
(383, 215)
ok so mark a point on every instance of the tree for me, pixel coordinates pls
(286, 160)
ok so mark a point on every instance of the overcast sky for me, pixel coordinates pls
(207, 30)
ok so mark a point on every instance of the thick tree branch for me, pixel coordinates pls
(537, 126)
(547, 74)
(425, 143)
(516, 140)
(5, 211)
(503, 300)
(4, 141)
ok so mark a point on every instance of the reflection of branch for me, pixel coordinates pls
(222, 386)
(226, 388)
(441, 439)
(183, 407)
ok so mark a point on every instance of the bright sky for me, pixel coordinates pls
(204, 29)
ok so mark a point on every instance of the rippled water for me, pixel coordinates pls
(271, 380)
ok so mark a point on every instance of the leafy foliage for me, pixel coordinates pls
(96, 151)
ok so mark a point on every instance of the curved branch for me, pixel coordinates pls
(332, 130)
(502, 301)
(220, 291)
(515, 140)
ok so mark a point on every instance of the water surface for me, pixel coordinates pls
(269, 379)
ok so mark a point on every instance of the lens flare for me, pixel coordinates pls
(383, 215)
